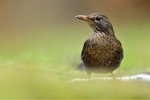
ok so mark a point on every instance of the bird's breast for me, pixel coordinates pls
(103, 51)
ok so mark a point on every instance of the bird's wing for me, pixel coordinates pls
(84, 48)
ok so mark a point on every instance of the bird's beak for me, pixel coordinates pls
(82, 17)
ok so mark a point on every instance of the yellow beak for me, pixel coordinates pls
(82, 17)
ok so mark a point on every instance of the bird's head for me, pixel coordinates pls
(98, 22)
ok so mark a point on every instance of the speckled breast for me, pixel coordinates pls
(102, 53)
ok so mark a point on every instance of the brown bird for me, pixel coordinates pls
(102, 52)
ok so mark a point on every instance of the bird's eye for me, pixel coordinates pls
(98, 18)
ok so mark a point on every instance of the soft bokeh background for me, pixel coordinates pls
(41, 42)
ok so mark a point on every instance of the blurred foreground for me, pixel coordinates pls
(45, 84)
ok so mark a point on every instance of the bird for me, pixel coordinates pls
(102, 52)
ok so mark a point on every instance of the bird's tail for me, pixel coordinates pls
(80, 66)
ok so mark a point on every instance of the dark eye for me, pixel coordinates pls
(98, 18)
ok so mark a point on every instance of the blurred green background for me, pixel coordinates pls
(41, 43)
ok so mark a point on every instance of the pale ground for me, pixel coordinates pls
(138, 77)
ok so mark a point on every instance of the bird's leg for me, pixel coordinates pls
(113, 75)
(89, 74)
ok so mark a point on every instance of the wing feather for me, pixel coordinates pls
(84, 48)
